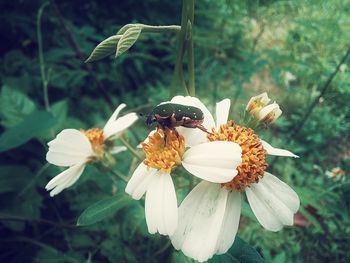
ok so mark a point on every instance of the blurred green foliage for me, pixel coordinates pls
(242, 48)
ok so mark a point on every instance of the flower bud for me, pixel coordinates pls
(269, 113)
(256, 103)
(259, 108)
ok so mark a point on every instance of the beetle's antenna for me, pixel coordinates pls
(144, 115)
(201, 127)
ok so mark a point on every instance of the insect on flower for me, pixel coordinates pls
(172, 115)
(216, 207)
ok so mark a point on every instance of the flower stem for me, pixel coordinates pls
(130, 148)
(156, 29)
(190, 55)
(118, 175)
(44, 77)
(185, 43)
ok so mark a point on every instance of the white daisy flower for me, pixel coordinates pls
(209, 215)
(210, 161)
(75, 148)
(258, 107)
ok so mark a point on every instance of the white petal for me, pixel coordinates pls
(65, 179)
(119, 125)
(230, 224)
(201, 216)
(271, 205)
(213, 161)
(284, 192)
(222, 111)
(115, 115)
(277, 151)
(192, 136)
(161, 205)
(140, 180)
(117, 149)
(274, 107)
(195, 136)
(68, 148)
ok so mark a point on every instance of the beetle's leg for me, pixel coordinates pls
(176, 132)
(165, 136)
(201, 127)
(172, 120)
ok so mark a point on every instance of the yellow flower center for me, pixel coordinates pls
(161, 155)
(96, 138)
(253, 154)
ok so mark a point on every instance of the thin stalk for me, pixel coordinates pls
(69, 36)
(323, 91)
(190, 53)
(119, 175)
(159, 29)
(44, 77)
(180, 52)
(130, 148)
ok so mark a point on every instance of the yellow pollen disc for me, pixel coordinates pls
(253, 154)
(161, 155)
(96, 138)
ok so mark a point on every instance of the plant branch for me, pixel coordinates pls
(80, 54)
(180, 53)
(130, 148)
(159, 29)
(302, 122)
(118, 175)
(190, 52)
(36, 221)
(44, 77)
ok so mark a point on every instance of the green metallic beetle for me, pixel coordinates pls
(172, 115)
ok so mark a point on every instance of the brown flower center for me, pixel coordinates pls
(161, 155)
(96, 138)
(253, 154)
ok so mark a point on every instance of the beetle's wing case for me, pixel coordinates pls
(186, 111)
(164, 110)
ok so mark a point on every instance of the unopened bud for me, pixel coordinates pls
(259, 108)
(270, 113)
(256, 103)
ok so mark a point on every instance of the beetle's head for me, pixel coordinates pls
(151, 118)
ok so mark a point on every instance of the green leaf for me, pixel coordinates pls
(103, 209)
(126, 27)
(128, 39)
(14, 105)
(241, 252)
(105, 48)
(178, 257)
(30, 127)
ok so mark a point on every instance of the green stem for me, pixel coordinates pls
(159, 29)
(44, 78)
(180, 53)
(190, 53)
(130, 148)
(119, 175)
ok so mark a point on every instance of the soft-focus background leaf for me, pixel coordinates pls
(103, 209)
